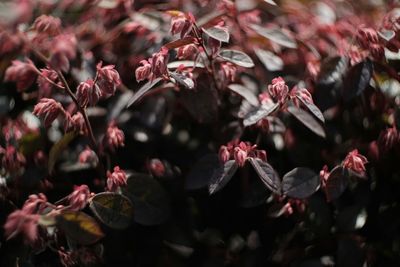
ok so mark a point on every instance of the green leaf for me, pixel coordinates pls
(58, 148)
(237, 57)
(112, 209)
(79, 227)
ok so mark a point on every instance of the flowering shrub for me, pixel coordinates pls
(199, 133)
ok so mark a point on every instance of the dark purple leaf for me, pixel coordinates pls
(254, 195)
(263, 111)
(337, 183)
(332, 70)
(271, 61)
(222, 176)
(276, 210)
(182, 80)
(300, 183)
(276, 35)
(267, 174)
(245, 93)
(308, 120)
(357, 79)
(199, 176)
(237, 57)
(313, 108)
(114, 210)
(144, 89)
(218, 33)
(180, 42)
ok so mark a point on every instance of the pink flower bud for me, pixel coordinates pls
(88, 156)
(108, 79)
(143, 72)
(355, 162)
(75, 123)
(116, 179)
(159, 62)
(23, 73)
(261, 154)
(263, 124)
(324, 175)
(47, 24)
(388, 139)
(287, 209)
(240, 156)
(114, 137)
(224, 154)
(265, 99)
(182, 24)
(44, 86)
(157, 168)
(187, 51)
(302, 93)
(21, 222)
(88, 93)
(377, 51)
(48, 109)
(79, 198)
(367, 35)
(278, 90)
(228, 71)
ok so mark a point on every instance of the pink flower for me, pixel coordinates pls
(88, 156)
(88, 93)
(35, 203)
(47, 24)
(182, 24)
(224, 154)
(159, 62)
(324, 175)
(265, 99)
(157, 168)
(48, 109)
(228, 71)
(64, 50)
(23, 73)
(114, 137)
(79, 198)
(108, 79)
(44, 86)
(143, 72)
(278, 90)
(355, 162)
(301, 93)
(367, 36)
(240, 156)
(187, 51)
(11, 160)
(116, 179)
(75, 123)
(261, 154)
(20, 221)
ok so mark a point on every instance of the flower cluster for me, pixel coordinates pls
(116, 179)
(154, 67)
(240, 152)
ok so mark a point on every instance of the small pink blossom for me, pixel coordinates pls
(88, 156)
(116, 179)
(367, 36)
(23, 73)
(324, 174)
(228, 71)
(159, 62)
(301, 93)
(240, 156)
(224, 154)
(265, 99)
(47, 24)
(79, 197)
(44, 85)
(11, 159)
(75, 123)
(21, 222)
(143, 72)
(48, 109)
(114, 137)
(278, 90)
(187, 51)
(355, 161)
(108, 79)
(157, 167)
(182, 24)
(88, 93)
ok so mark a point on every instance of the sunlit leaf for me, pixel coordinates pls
(182, 80)
(275, 35)
(79, 227)
(300, 183)
(218, 33)
(114, 210)
(222, 176)
(58, 148)
(237, 57)
(271, 61)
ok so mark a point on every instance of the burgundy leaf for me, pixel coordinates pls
(245, 93)
(258, 114)
(275, 35)
(237, 57)
(271, 61)
(357, 79)
(144, 89)
(218, 33)
(222, 176)
(267, 174)
(182, 80)
(300, 183)
(308, 120)
(313, 108)
(336, 183)
(180, 42)
(199, 176)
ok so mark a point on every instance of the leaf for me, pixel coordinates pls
(182, 80)
(218, 33)
(59, 147)
(276, 210)
(202, 171)
(79, 227)
(336, 183)
(275, 35)
(222, 176)
(254, 195)
(332, 70)
(313, 108)
(208, 18)
(185, 63)
(29, 143)
(271, 2)
(267, 174)
(307, 120)
(357, 79)
(271, 61)
(151, 201)
(119, 105)
(180, 42)
(245, 93)
(258, 114)
(300, 183)
(139, 93)
(237, 57)
(112, 209)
